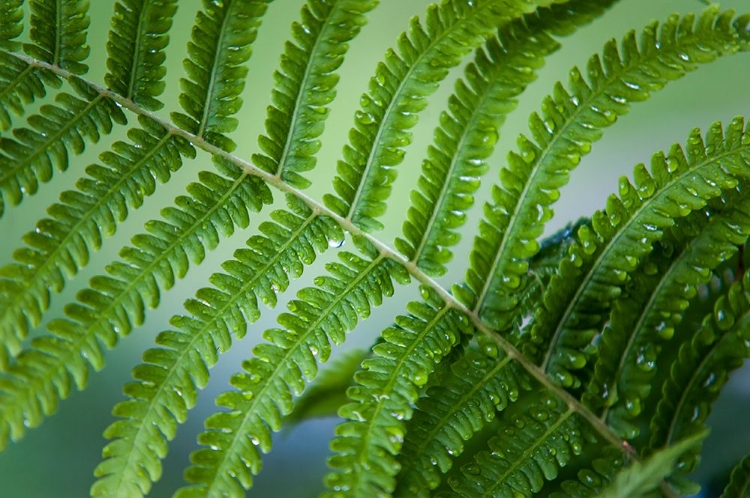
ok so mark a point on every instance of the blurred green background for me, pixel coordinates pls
(57, 459)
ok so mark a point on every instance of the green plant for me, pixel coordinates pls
(548, 369)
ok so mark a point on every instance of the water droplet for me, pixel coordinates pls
(420, 378)
(633, 406)
(471, 469)
(646, 358)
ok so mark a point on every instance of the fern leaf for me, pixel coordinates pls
(570, 122)
(234, 438)
(528, 450)
(466, 138)
(479, 384)
(592, 481)
(598, 266)
(702, 367)
(739, 481)
(365, 459)
(216, 204)
(643, 478)
(11, 23)
(115, 303)
(60, 246)
(58, 34)
(21, 84)
(59, 130)
(640, 325)
(399, 91)
(542, 267)
(219, 46)
(136, 50)
(468, 131)
(306, 84)
(166, 385)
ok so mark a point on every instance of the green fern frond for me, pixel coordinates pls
(477, 386)
(542, 267)
(640, 324)
(219, 46)
(598, 265)
(58, 131)
(323, 314)
(60, 246)
(166, 385)
(306, 84)
(58, 34)
(739, 481)
(214, 206)
(592, 481)
(368, 442)
(559, 367)
(645, 478)
(114, 304)
(701, 368)
(398, 93)
(570, 122)
(136, 50)
(20, 83)
(466, 138)
(11, 23)
(529, 449)
(468, 131)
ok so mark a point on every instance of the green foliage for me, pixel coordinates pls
(643, 478)
(739, 482)
(584, 364)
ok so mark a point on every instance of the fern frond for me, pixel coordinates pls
(58, 33)
(530, 447)
(591, 481)
(219, 46)
(234, 438)
(479, 384)
(60, 246)
(399, 91)
(58, 131)
(739, 481)
(306, 84)
(591, 277)
(640, 324)
(216, 204)
(701, 368)
(166, 385)
(115, 303)
(542, 267)
(11, 23)
(136, 50)
(21, 84)
(369, 441)
(501, 70)
(644, 478)
(569, 123)
(466, 138)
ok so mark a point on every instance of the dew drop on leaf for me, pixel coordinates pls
(471, 469)
(420, 378)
